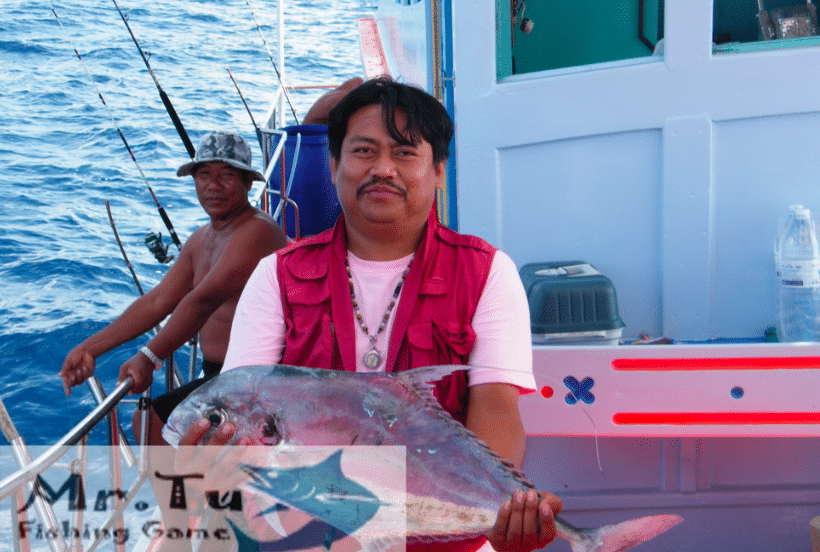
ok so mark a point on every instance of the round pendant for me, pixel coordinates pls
(372, 359)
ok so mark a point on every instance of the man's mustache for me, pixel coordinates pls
(380, 182)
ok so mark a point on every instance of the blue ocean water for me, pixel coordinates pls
(62, 276)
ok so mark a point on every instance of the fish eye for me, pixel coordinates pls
(268, 429)
(216, 416)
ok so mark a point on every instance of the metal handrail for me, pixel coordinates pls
(125, 449)
(283, 136)
(280, 209)
(23, 457)
(26, 476)
(56, 451)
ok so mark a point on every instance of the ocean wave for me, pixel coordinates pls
(61, 272)
(21, 47)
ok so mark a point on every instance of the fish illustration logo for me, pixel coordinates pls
(314, 534)
(339, 504)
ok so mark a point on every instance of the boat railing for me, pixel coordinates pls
(273, 138)
(26, 482)
(262, 195)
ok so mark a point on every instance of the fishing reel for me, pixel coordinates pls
(154, 243)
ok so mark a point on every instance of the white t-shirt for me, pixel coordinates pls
(502, 352)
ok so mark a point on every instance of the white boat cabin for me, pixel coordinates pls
(662, 142)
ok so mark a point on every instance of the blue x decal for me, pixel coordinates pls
(579, 391)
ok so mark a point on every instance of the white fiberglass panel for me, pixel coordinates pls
(594, 199)
(760, 167)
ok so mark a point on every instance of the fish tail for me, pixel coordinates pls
(619, 537)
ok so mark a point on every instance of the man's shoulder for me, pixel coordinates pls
(258, 227)
(308, 258)
(196, 240)
(246, 240)
(260, 220)
(451, 237)
(308, 245)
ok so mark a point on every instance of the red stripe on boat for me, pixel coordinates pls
(681, 364)
(715, 418)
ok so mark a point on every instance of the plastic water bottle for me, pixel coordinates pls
(778, 242)
(797, 255)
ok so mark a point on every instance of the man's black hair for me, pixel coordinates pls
(426, 117)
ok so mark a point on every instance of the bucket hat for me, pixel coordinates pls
(227, 147)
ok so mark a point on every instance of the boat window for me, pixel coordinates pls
(752, 25)
(537, 35)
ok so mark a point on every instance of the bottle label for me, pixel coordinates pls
(800, 273)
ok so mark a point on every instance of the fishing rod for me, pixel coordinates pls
(276, 69)
(162, 95)
(172, 365)
(122, 249)
(284, 188)
(160, 208)
(248, 109)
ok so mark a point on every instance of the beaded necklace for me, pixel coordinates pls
(373, 358)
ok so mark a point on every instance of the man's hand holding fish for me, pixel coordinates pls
(525, 522)
(219, 464)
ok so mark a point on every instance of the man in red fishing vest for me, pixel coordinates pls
(389, 289)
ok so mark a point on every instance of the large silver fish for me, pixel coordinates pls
(446, 464)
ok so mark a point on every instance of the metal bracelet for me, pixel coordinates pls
(152, 357)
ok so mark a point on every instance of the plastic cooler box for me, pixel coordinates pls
(571, 303)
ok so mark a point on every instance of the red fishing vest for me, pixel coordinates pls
(432, 320)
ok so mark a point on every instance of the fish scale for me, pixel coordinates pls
(455, 482)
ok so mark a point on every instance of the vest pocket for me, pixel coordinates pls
(437, 342)
(307, 293)
(420, 343)
(310, 345)
(454, 340)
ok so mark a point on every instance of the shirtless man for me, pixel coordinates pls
(201, 288)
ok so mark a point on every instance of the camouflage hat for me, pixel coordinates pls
(227, 147)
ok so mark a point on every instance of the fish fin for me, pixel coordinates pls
(272, 517)
(244, 542)
(428, 374)
(443, 539)
(621, 536)
(419, 381)
(509, 466)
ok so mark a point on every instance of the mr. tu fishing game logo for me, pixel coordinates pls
(311, 498)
